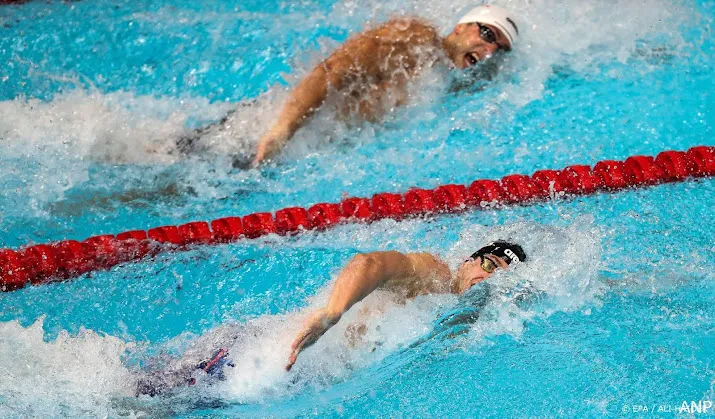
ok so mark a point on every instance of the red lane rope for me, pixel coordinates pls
(69, 258)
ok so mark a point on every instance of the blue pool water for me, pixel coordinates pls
(618, 311)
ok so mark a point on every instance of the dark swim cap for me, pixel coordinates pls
(510, 252)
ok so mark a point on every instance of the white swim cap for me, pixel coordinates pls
(496, 16)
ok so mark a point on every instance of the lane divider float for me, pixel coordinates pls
(67, 259)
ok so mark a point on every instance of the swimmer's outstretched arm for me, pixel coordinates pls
(361, 276)
(309, 95)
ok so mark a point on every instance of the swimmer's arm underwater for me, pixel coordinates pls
(361, 276)
(311, 92)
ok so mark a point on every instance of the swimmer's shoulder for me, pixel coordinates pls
(403, 30)
(427, 265)
(369, 45)
(397, 30)
(426, 274)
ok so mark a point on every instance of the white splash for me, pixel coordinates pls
(49, 147)
(71, 376)
(262, 351)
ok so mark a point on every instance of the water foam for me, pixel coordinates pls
(51, 147)
(72, 376)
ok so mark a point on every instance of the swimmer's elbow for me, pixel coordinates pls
(359, 278)
(366, 272)
(367, 263)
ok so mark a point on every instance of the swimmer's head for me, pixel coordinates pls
(479, 34)
(481, 265)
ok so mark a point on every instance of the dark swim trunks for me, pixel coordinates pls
(159, 382)
(192, 144)
(214, 366)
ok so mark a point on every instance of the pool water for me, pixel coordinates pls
(614, 312)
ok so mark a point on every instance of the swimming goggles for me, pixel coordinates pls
(487, 34)
(487, 264)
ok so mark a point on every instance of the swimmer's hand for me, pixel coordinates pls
(270, 144)
(317, 324)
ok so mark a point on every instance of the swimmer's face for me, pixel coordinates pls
(476, 42)
(474, 271)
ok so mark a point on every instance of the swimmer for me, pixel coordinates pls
(407, 276)
(404, 275)
(369, 74)
(371, 70)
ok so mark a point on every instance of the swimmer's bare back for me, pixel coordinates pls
(369, 72)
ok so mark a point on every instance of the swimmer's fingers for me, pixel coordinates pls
(259, 160)
(262, 151)
(256, 161)
(293, 357)
(271, 143)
